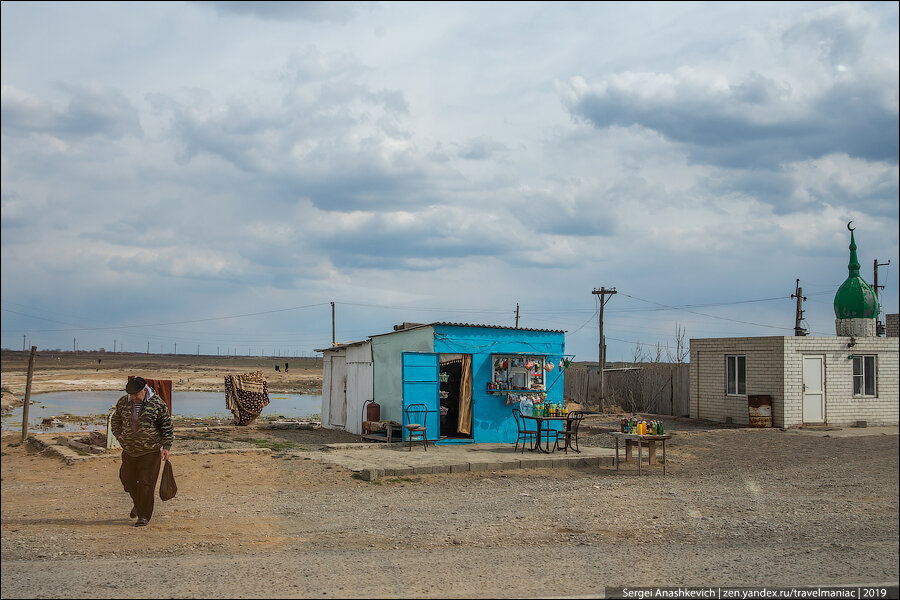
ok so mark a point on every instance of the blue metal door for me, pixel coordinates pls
(422, 385)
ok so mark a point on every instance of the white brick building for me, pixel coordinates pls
(838, 380)
(780, 367)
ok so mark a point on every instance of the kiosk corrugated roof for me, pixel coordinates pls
(449, 324)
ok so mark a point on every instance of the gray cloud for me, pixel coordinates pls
(718, 127)
(837, 100)
(481, 148)
(91, 111)
(339, 12)
(422, 241)
(835, 37)
(329, 139)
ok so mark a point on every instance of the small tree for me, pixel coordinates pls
(682, 346)
(637, 353)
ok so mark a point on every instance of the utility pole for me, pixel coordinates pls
(603, 293)
(23, 342)
(114, 346)
(517, 315)
(73, 346)
(176, 348)
(333, 342)
(27, 394)
(798, 313)
(879, 325)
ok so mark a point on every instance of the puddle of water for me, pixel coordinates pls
(184, 404)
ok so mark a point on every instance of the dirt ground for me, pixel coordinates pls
(91, 371)
(738, 507)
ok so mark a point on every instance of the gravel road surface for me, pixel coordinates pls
(739, 507)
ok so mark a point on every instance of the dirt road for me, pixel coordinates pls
(739, 507)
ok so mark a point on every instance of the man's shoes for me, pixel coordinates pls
(133, 514)
(142, 522)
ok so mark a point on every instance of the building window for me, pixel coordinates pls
(864, 376)
(736, 374)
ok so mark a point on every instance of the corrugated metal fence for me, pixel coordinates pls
(657, 388)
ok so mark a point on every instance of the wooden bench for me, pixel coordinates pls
(387, 426)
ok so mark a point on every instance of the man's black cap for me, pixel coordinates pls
(135, 385)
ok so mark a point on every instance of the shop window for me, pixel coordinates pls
(736, 374)
(864, 376)
(517, 372)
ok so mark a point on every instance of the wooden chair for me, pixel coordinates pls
(569, 432)
(416, 418)
(524, 434)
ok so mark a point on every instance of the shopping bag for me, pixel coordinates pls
(167, 487)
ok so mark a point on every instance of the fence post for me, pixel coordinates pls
(672, 391)
(27, 393)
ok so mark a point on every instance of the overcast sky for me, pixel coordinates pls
(216, 174)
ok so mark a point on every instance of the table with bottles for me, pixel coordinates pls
(637, 432)
(546, 412)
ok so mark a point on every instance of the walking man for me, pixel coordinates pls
(143, 427)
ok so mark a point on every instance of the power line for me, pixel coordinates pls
(266, 312)
(713, 316)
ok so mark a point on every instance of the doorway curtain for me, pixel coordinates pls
(464, 422)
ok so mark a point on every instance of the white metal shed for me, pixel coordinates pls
(346, 384)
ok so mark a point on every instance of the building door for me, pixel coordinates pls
(813, 389)
(422, 385)
(337, 413)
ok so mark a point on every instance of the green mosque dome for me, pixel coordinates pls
(855, 299)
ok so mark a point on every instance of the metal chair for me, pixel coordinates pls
(569, 432)
(416, 418)
(524, 434)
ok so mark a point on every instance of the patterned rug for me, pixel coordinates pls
(246, 396)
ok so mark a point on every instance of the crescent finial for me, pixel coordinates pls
(850, 228)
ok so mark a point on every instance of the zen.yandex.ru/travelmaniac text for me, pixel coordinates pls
(748, 593)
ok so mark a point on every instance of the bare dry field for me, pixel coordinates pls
(67, 371)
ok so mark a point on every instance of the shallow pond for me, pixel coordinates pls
(184, 404)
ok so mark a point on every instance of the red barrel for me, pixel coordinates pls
(373, 412)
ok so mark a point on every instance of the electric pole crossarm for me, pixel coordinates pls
(879, 324)
(798, 313)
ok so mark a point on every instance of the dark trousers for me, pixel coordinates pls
(138, 475)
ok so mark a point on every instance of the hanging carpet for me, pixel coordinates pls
(246, 396)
